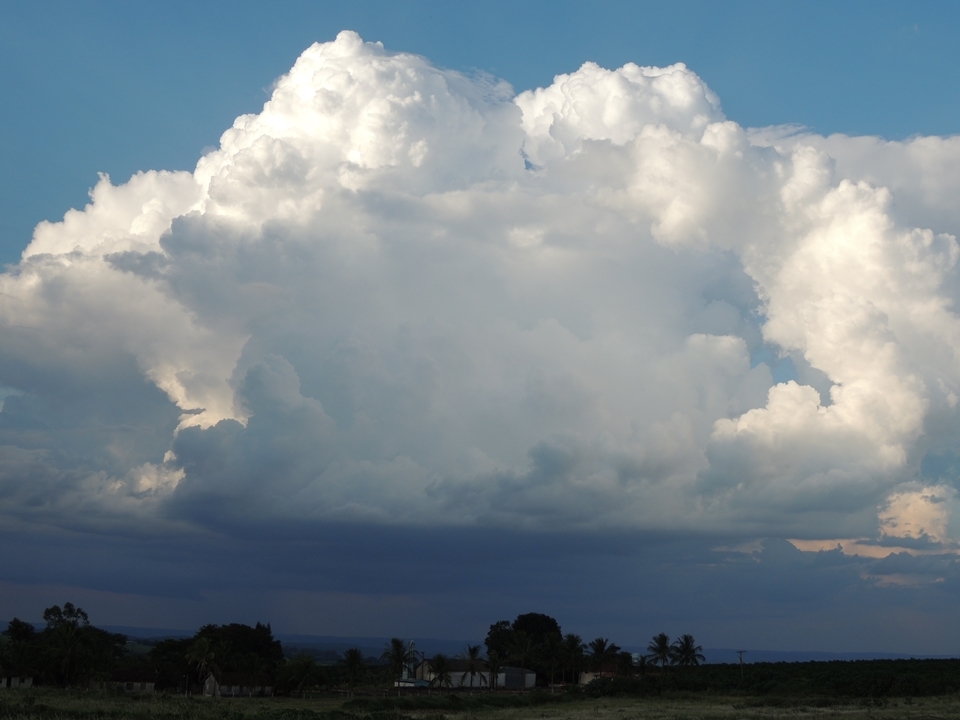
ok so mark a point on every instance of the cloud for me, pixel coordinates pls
(402, 296)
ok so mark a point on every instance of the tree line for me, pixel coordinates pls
(69, 651)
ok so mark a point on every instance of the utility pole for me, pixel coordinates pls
(740, 655)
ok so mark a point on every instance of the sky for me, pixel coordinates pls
(381, 319)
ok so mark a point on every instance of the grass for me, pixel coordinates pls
(50, 704)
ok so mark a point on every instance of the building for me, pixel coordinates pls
(236, 685)
(15, 681)
(507, 678)
(136, 682)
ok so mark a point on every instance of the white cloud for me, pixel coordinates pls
(400, 294)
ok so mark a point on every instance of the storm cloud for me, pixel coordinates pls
(409, 302)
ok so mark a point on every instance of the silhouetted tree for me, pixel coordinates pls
(399, 655)
(353, 667)
(474, 664)
(685, 652)
(300, 674)
(55, 618)
(522, 651)
(573, 649)
(494, 664)
(625, 664)
(202, 656)
(440, 667)
(71, 650)
(538, 627)
(499, 639)
(20, 652)
(551, 653)
(603, 653)
(659, 649)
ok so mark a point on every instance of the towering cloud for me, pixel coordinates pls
(404, 296)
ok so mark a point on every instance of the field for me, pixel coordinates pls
(49, 704)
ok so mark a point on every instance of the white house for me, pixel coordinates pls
(507, 678)
(236, 685)
(15, 681)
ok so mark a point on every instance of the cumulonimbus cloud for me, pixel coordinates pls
(404, 295)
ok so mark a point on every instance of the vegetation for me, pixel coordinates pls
(400, 656)
(474, 665)
(54, 704)
(70, 653)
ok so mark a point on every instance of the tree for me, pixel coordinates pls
(169, 660)
(659, 649)
(552, 654)
(66, 653)
(573, 649)
(202, 656)
(20, 631)
(244, 649)
(473, 662)
(20, 653)
(685, 652)
(440, 667)
(494, 664)
(538, 627)
(399, 655)
(522, 650)
(69, 615)
(602, 653)
(301, 673)
(499, 639)
(625, 664)
(353, 667)
(72, 649)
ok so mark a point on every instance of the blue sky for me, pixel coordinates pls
(485, 320)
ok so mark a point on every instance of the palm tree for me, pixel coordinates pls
(602, 652)
(473, 661)
(440, 667)
(552, 654)
(494, 663)
(399, 655)
(686, 652)
(353, 667)
(302, 673)
(202, 655)
(573, 649)
(659, 649)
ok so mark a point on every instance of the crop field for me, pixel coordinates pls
(49, 704)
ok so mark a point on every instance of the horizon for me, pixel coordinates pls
(375, 645)
(392, 321)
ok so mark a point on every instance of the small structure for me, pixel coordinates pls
(15, 681)
(508, 678)
(136, 682)
(236, 685)
(514, 678)
(409, 682)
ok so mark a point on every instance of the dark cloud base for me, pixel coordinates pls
(362, 580)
